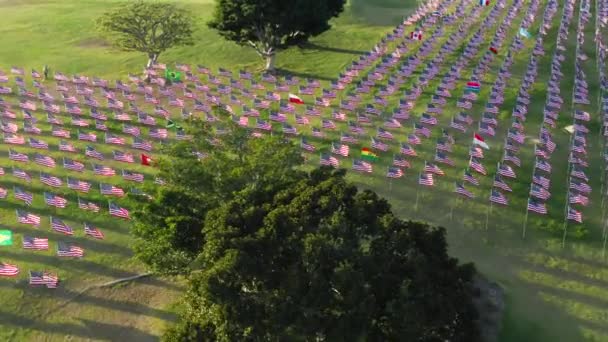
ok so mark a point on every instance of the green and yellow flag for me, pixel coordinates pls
(368, 155)
(172, 124)
(6, 238)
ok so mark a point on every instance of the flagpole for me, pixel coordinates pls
(417, 193)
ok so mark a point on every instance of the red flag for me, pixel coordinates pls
(294, 99)
(494, 51)
(145, 159)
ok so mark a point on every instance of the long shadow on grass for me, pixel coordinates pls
(285, 72)
(317, 47)
(89, 330)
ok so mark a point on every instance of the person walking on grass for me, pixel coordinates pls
(45, 71)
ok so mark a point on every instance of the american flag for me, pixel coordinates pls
(60, 133)
(577, 198)
(340, 149)
(461, 190)
(87, 136)
(27, 218)
(73, 165)
(55, 200)
(103, 170)
(158, 133)
(91, 152)
(43, 278)
(17, 172)
(362, 166)
(539, 192)
(114, 139)
(78, 185)
(421, 130)
(68, 250)
(14, 139)
(23, 195)
(101, 125)
(477, 166)
(49, 180)
(394, 172)
(39, 144)
(476, 152)
(509, 156)
(497, 197)
(347, 138)
(543, 165)
(328, 124)
(536, 206)
(8, 270)
(262, 124)
(289, 129)
(400, 161)
(132, 176)
(9, 127)
(87, 205)
(145, 119)
(59, 226)
(95, 114)
(92, 231)
(39, 244)
(432, 168)
(28, 127)
(117, 211)
(575, 215)
(141, 144)
(379, 145)
(110, 190)
(16, 156)
(580, 186)
(44, 160)
(329, 160)
(307, 146)
(444, 159)
(426, 179)
(579, 172)
(384, 134)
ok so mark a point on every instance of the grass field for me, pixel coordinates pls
(553, 294)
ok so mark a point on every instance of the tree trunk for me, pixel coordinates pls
(152, 58)
(270, 59)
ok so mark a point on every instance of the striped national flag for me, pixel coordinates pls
(60, 132)
(43, 278)
(59, 226)
(39, 244)
(394, 172)
(110, 190)
(141, 144)
(580, 186)
(379, 145)
(497, 197)
(44, 160)
(39, 144)
(477, 166)
(122, 156)
(132, 176)
(362, 166)
(575, 215)
(263, 125)
(87, 136)
(78, 185)
(73, 165)
(55, 200)
(114, 139)
(536, 206)
(579, 172)
(16, 156)
(93, 231)
(88, 205)
(49, 180)
(461, 190)
(510, 157)
(539, 192)
(443, 158)
(117, 211)
(91, 152)
(577, 198)
(103, 170)
(426, 179)
(68, 250)
(543, 165)
(8, 270)
(421, 130)
(432, 168)
(17, 172)
(24, 217)
(542, 181)
(24, 196)
(400, 161)
(307, 146)
(340, 149)
(329, 160)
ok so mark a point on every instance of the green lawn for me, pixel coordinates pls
(553, 294)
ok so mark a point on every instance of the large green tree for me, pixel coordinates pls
(276, 254)
(147, 27)
(270, 25)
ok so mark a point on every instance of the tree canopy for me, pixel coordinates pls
(273, 253)
(269, 25)
(151, 28)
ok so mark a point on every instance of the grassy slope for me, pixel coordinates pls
(553, 294)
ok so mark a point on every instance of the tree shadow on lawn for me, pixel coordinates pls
(317, 47)
(285, 72)
(89, 330)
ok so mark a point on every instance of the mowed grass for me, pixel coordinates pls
(553, 294)
(62, 35)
